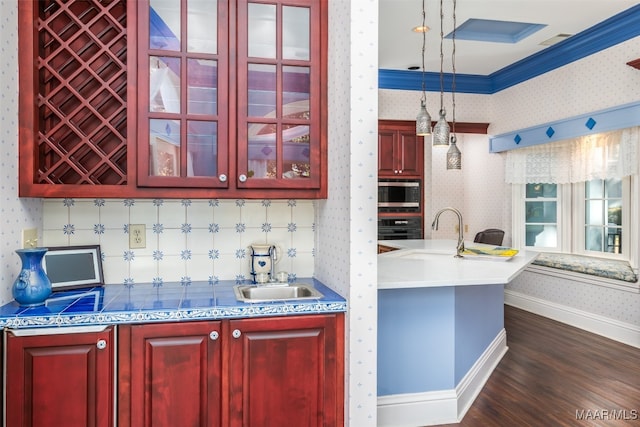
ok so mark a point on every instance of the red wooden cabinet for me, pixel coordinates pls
(252, 372)
(121, 100)
(60, 379)
(400, 150)
(170, 375)
(286, 371)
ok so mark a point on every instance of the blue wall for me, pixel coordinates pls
(479, 319)
(428, 338)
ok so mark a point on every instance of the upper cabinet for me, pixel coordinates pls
(170, 98)
(400, 151)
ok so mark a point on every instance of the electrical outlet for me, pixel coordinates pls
(29, 238)
(137, 236)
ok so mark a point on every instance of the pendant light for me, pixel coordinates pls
(423, 120)
(454, 156)
(441, 129)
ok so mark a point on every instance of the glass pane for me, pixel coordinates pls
(202, 148)
(202, 86)
(541, 212)
(614, 240)
(164, 24)
(164, 150)
(541, 235)
(295, 33)
(594, 212)
(613, 188)
(297, 89)
(262, 150)
(262, 90)
(594, 189)
(164, 84)
(614, 212)
(296, 152)
(541, 190)
(262, 30)
(202, 26)
(593, 239)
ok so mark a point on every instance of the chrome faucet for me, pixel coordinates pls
(434, 226)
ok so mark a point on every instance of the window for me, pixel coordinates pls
(603, 206)
(588, 218)
(541, 215)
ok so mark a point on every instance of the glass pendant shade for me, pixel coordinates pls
(454, 156)
(441, 130)
(423, 121)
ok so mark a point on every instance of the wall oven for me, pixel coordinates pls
(399, 228)
(399, 195)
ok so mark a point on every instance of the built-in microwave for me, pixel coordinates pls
(399, 195)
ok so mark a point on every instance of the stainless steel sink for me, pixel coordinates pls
(295, 291)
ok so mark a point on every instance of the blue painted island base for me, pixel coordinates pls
(436, 349)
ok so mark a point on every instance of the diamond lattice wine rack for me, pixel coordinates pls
(81, 88)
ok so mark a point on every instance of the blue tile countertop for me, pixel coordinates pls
(170, 302)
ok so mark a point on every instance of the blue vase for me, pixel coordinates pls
(32, 286)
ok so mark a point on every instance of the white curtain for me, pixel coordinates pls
(604, 155)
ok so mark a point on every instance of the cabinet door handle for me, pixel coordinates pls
(214, 335)
(101, 344)
(242, 178)
(222, 177)
(236, 333)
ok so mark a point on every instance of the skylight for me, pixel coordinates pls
(489, 30)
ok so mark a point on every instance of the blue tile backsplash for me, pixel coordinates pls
(186, 240)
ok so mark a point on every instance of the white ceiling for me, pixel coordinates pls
(400, 47)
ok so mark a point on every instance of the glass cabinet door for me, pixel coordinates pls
(278, 95)
(183, 129)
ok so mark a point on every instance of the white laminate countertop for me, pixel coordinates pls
(431, 263)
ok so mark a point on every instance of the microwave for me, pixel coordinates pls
(399, 195)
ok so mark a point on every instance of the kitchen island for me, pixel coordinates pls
(440, 328)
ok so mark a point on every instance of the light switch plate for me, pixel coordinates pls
(29, 238)
(137, 236)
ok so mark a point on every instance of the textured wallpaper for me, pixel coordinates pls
(15, 213)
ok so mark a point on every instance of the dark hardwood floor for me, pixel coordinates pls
(558, 375)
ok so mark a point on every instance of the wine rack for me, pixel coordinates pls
(81, 88)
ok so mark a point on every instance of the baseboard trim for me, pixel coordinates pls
(442, 406)
(600, 325)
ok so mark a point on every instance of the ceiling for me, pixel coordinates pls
(400, 47)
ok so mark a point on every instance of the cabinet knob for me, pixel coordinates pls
(214, 335)
(101, 344)
(242, 178)
(236, 333)
(222, 177)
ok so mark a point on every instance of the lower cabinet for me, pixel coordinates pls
(260, 372)
(281, 371)
(55, 379)
(170, 375)
(286, 372)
